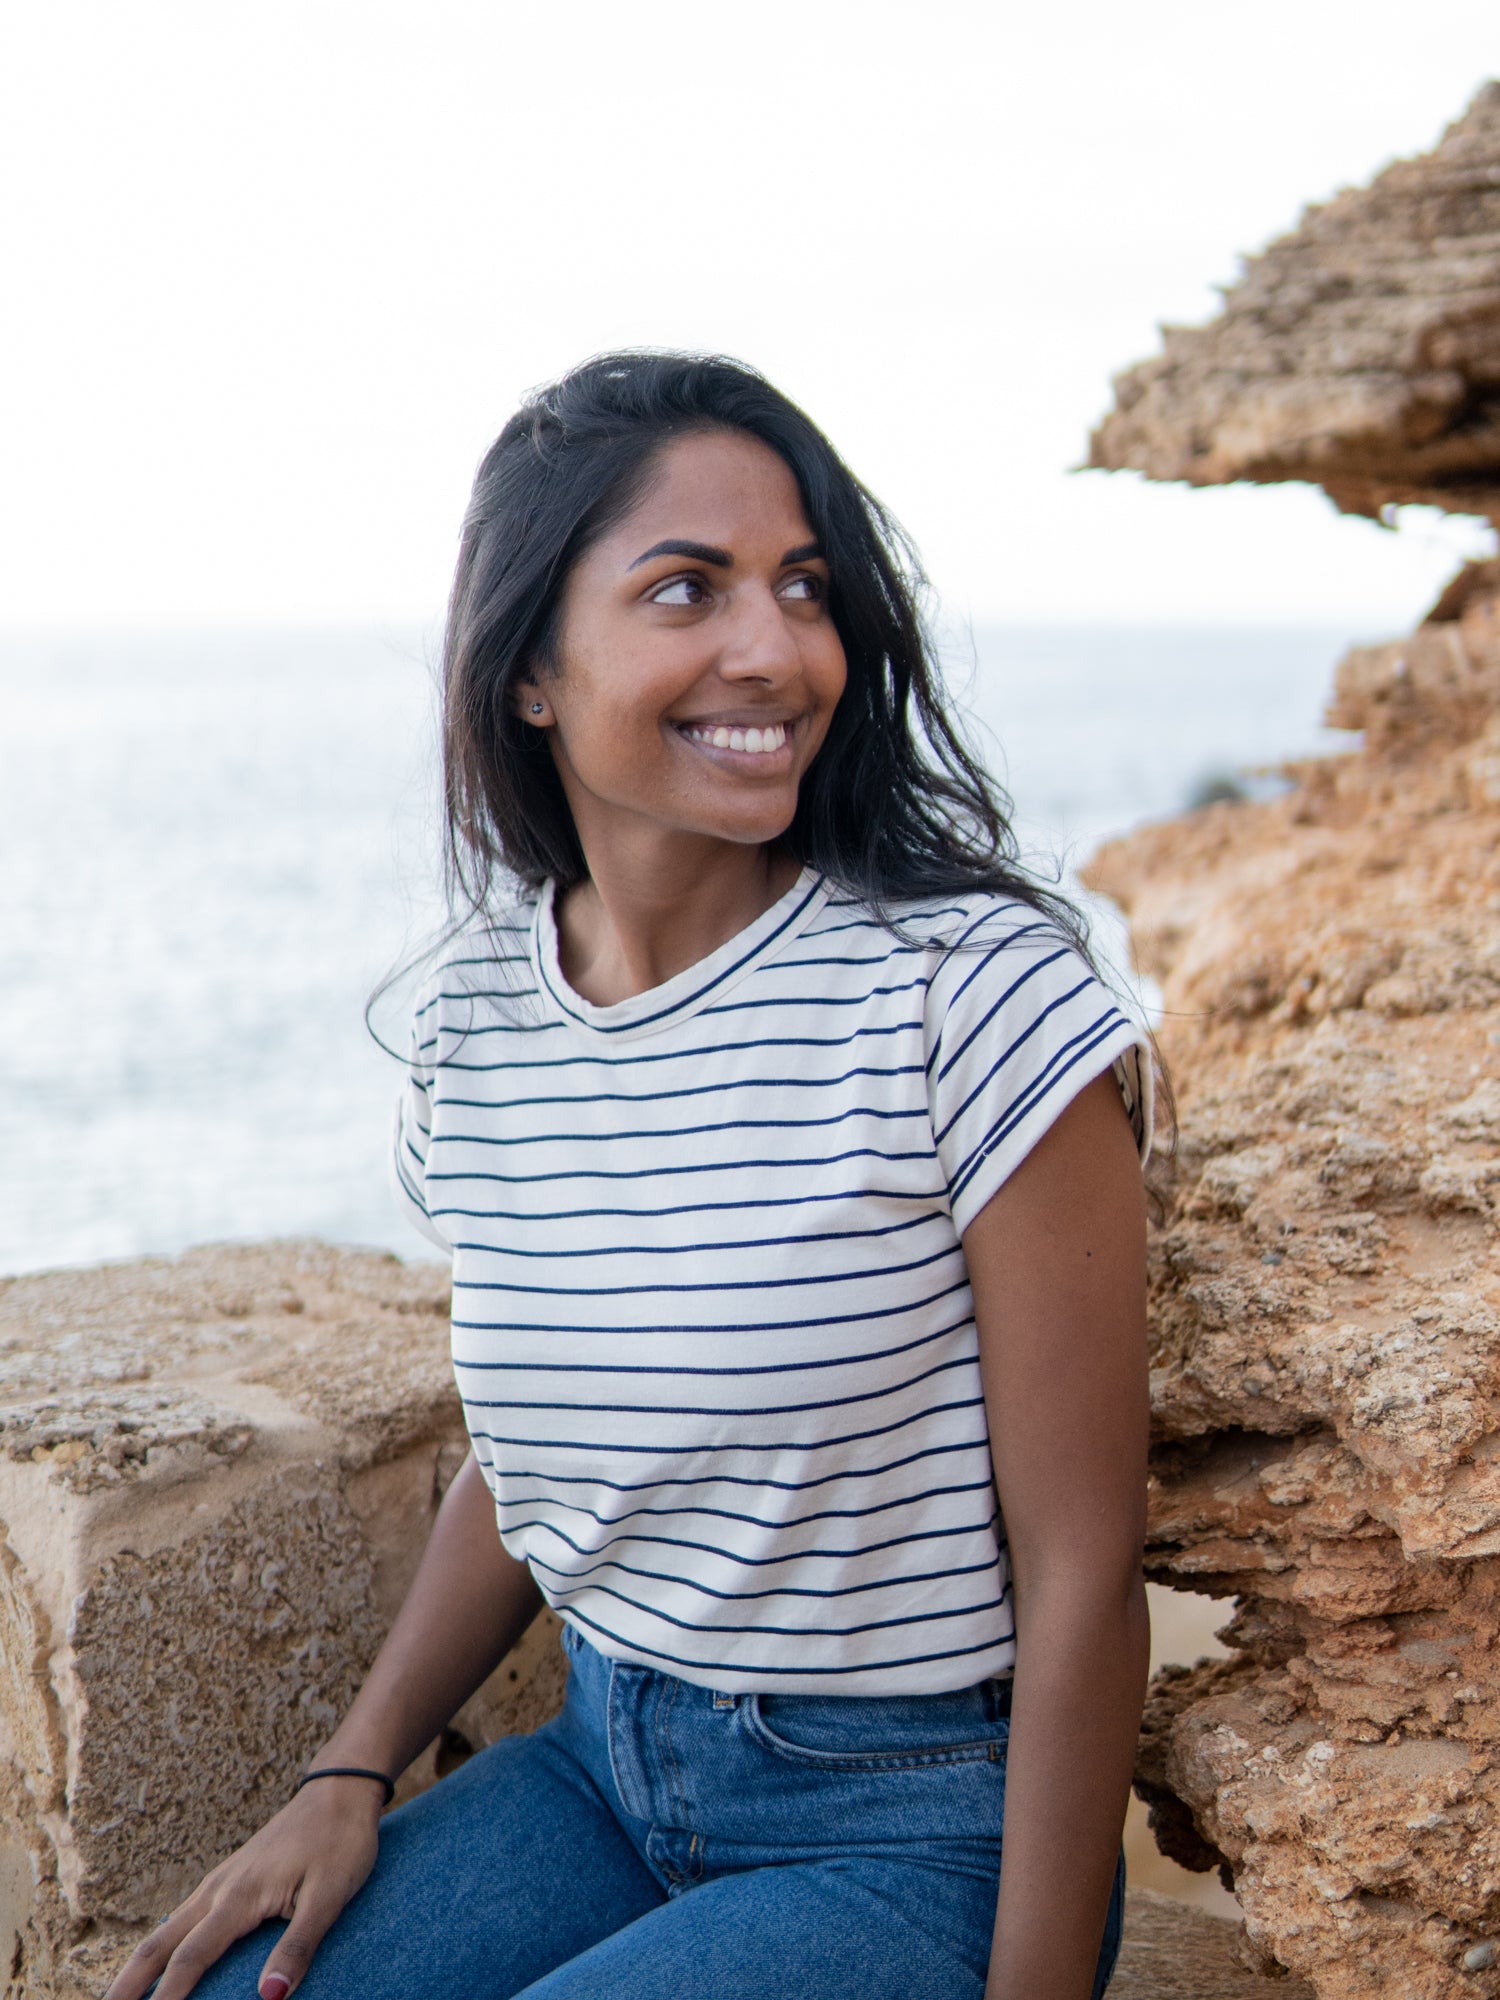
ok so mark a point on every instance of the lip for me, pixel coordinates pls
(741, 718)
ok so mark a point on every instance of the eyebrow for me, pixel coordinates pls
(704, 552)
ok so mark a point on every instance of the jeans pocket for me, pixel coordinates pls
(855, 1733)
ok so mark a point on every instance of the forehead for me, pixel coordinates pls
(719, 486)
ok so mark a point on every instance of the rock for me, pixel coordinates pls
(1360, 352)
(216, 1476)
(1173, 1952)
(1326, 1289)
(1326, 1331)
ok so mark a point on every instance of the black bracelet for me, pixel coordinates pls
(350, 1771)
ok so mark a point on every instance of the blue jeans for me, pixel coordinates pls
(658, 1841)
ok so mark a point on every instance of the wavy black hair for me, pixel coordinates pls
(895, 806)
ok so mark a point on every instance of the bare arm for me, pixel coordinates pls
(1057, 1263)
(468, 1605)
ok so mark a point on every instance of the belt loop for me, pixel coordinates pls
(725, 1700)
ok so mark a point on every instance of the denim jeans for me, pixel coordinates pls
(658, 1841)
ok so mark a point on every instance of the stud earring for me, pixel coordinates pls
(536, 708)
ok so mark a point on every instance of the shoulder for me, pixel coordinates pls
(1001, 967)
(983, 921)
(935, 928)
(487, 961)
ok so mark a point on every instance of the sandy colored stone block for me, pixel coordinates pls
(216, 1476)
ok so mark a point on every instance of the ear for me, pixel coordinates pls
(531, 705)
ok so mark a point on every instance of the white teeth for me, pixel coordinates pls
(754, 741)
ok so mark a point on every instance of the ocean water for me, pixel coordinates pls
(212, 846)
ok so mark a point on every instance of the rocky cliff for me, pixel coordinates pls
(1326, 1329)
(1326, 1291)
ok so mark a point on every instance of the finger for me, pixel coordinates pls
(286, 1968)
(144, 1966)
(205, 1944)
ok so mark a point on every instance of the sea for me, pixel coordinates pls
(215, 845)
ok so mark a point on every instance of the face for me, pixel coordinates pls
(698, 666)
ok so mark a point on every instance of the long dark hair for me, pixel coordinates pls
(894, 806)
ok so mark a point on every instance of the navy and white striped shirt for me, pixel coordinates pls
(711, 1322)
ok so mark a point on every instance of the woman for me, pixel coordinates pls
(788, 1153)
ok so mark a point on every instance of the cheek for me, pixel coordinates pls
(831, 676)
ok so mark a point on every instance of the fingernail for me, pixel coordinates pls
(274, 1987)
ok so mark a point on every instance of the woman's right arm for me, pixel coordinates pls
(468, 1605)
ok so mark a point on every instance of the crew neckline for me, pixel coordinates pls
(687, 992)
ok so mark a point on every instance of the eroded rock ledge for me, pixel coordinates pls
(1360, 352)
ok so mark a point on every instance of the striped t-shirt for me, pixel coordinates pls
(711, 1322)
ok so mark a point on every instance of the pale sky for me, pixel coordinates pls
(276, 273)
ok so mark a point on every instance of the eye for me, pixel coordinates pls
(804, 589)
(679, 591)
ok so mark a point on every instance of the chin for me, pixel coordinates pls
(752, 833)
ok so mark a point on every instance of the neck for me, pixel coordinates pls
(649, 910)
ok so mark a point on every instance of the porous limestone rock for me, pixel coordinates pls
(1172, 1952)
(1360, 352)
(1326, 1329)
(216, 1475)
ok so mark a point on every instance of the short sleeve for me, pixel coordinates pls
(413, 1129)
(1016, 1026)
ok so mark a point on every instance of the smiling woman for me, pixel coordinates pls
(787, 1150)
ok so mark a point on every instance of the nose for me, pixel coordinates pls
(759, 644)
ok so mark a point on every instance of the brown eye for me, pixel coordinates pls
(803, 589)
(681, 590)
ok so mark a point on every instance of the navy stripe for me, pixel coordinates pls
(730, 1514)
(718, 1326)
(927, 1195)
(780, 1081)
(534, 1367)
(616, 1060)
(716, 1285)
(615, 1137)
(763, 1562)
(817, 999)
(657, 1449)
(655, 1173)
(699, 1249)
(748, 1596)
(718, 1409)
(761, 1482)
(793, 1631)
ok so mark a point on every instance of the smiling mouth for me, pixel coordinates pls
(754, 742)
